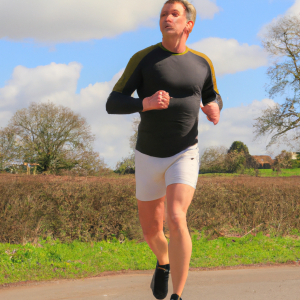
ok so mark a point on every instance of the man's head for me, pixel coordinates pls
(177, 16)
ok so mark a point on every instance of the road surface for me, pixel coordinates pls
(270, 283)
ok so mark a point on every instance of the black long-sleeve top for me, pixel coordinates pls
(188, 77)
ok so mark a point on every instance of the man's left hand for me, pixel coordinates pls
(212, 112)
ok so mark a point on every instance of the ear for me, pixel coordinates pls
(189, 26)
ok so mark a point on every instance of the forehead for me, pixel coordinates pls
(173, 6)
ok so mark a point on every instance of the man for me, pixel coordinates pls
(170, 80)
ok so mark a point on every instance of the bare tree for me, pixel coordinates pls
(283, 160)
(282, 41)
(213, 160)
(52, 136)
(127, 164)
(133, 138)
(9, 150)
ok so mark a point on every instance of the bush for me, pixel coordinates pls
(283, 161)
(213, 160)
(126, 166)
(238, 147)
(221, 160)
(94, 209)
(234, 161)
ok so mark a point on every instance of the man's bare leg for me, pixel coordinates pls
(179, 197)
(151, 215)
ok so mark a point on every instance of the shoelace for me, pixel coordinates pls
(165, 270)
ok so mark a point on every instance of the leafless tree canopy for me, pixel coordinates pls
(127, 164)
(133, 138)
(213, 159)
(52, 136)
(283, 160)
(282, 41)
(9, 151)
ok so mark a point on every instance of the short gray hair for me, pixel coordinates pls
(189, 8)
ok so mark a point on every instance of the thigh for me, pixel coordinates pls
(179, 198)
(151, 215)
(185, 169)
(149, 175)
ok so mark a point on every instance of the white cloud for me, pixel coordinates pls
(295, 9)
(81, 20)
(292, 11)
(58, 83)
(5, 117)
(206, 9)
(236, 124)
(229, 57)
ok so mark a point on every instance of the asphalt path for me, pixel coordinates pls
(271, 283)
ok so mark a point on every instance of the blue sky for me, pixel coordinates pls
(72, 53)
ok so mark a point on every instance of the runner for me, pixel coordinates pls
(170, 80)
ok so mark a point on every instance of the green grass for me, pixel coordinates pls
(219, 175)
(283, 173)
(54, 260)
(262, 173)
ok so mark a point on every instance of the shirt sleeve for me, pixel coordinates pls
(120, 100)
(210, 92)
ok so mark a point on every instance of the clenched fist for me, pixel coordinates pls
(160, 100)
(212, 112)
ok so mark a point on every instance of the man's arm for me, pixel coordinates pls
(212, 103)
(120, 100)
(118, 103)
(212, 111)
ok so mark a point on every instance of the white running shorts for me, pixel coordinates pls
(154, 174)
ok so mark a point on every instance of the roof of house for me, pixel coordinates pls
(262, 159)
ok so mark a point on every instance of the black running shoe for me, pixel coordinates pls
(175, 297)
(159, 283)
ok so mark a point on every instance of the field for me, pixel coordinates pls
(284, 173)
(70, 227)
(262, 173)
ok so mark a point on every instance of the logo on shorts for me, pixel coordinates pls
(192, 158)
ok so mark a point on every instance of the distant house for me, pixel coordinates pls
(264, 161)
(295, 155)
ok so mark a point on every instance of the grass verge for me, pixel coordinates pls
(283, 173)
(262, 173)
(51, 259)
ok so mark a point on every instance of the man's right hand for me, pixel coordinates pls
(160, 100)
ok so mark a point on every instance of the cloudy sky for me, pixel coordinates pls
(72, 52)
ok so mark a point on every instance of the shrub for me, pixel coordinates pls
(94, 209)
(213, 160)
(126, 166)
(221, 160)
(234, 161)
(239, 147)
(283, 161)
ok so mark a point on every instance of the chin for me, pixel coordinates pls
(170, 32)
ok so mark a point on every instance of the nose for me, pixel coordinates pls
(169, 18)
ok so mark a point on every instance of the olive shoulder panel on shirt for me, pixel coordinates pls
(213, 74)
(132, 65)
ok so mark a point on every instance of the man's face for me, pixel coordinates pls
(173, 19)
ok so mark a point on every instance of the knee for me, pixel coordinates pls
(176, 221)
(151, 232)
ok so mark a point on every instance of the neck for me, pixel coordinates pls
(175, 44)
